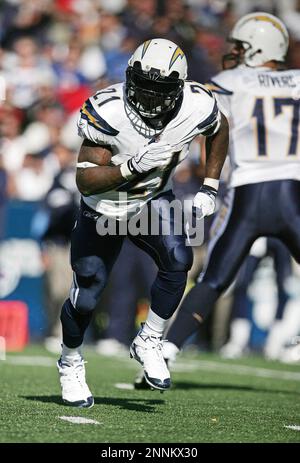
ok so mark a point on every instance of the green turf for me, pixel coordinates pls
(203, 405)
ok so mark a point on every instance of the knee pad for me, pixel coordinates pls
(181, 258)
(90, 277)
(89, 267)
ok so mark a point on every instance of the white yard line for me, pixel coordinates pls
(294, 427)
(180, 366)
(193, 365)
(126, 386)
(78, 420)
(30, 360)
(185, 365)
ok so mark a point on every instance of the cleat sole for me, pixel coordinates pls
(154, 386)
(89, 403)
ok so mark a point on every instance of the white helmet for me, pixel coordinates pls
(264, 38)
(155, 77)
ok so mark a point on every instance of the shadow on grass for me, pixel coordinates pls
(138, 405)
(186, 385)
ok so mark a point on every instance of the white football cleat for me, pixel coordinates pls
(232, 351)
(75, 391)
(291, 354)
(111, 348)
(147, 350)
(170, 352)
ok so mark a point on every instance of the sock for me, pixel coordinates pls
(154, 325)
(70, 354)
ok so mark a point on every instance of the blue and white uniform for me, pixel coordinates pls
(108, 119)
(263, 199)
(262, 106)
(264, 188)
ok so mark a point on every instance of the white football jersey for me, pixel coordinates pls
(107, 119)
(262, 108)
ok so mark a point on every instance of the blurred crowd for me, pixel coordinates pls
(53, 55)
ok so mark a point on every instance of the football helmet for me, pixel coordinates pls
(258, 37)
(155, 77)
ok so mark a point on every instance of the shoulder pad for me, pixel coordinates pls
(200, 100)
(196, 87)
(102, 110)
(224, 82)
(200, 112)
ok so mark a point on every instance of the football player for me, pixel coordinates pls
(260, 97)
(134, 134)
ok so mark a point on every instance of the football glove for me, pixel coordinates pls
(152, 156)
(205, 201)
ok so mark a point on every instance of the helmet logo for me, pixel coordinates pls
(271, 20)
(154, 73)
(145, 47)
(178, 52)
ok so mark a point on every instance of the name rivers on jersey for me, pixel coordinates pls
(263, 112)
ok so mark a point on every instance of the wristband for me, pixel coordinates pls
(209, 191)
(212, 182)
(125, 171)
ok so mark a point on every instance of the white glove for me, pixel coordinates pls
(152, 156)
(205, 200)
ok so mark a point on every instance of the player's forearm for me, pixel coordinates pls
(95, 174)
(94, 180)
(216, 150)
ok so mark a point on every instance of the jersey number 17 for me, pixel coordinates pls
(261, 125)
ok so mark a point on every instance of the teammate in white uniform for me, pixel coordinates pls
(259, 97)
(135, 134)
(263, 112)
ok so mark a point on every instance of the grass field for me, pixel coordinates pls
(212, 400)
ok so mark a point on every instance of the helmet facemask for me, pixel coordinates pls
(237, 54)
(151, 94)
